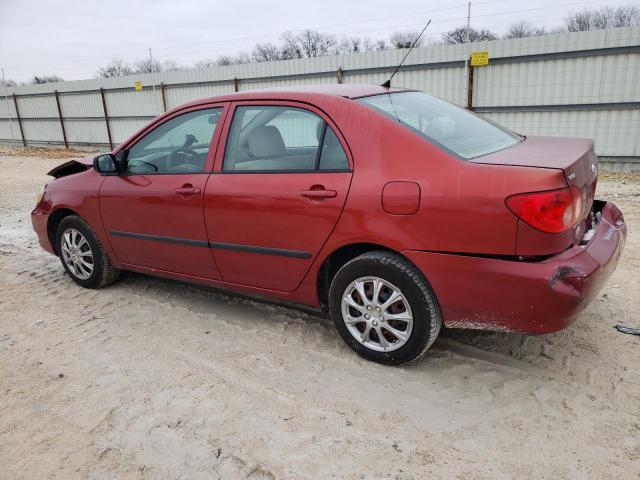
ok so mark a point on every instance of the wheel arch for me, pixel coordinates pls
(53, 221)
(340, 256)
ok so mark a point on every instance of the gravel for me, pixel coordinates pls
(159, 379)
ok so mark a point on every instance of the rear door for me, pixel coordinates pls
(278, 190)
(153, 212)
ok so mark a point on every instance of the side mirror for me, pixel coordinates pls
(106, 164)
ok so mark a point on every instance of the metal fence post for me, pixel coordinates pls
(64, 132)
(235, 84)
(106, 117)
(470, 86)
(15, 103)
(164, 96)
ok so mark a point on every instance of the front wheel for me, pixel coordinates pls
(82, 255)
(384, 308)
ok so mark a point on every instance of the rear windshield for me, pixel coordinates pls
(455, 129)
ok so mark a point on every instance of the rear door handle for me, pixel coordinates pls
(319, 193)
(188, 190)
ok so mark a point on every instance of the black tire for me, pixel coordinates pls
(103, 273)
(392, 268)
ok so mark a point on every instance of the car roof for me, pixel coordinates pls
(300, 93)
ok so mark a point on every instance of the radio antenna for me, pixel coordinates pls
(387, 84)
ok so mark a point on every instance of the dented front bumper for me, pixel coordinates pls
(39, 219)
(534, 297)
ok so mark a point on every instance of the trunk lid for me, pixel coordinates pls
(574, 156)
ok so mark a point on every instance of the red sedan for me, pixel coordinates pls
(394, 210)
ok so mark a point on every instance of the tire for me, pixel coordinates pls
(91, 252)
(394, 275)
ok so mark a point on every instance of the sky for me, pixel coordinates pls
(73, 38)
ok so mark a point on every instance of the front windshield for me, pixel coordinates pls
(455, 129)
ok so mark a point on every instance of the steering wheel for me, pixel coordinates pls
(154, 167)
(185, 155)
(185, 167)
(182, 155)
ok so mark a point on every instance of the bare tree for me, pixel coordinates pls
(605, 17)
(601, 18)
(557, 29)
(459, 35)
(304, 44)
(224, 60)
(171, 66)
(348, 45)
(147, 65)
(242, 58)
(46, 79)
(381, 45)
(626, 16)
(9, 82)
(316, 44)
(290, 47)
(524, 29)
(405, 39)
(266, 52)
(307, 43)
(579, 21)
(207, 63)
(117, 67)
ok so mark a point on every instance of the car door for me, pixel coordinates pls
(277, 192)
(153, 211)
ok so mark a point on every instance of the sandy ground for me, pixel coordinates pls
(155, 379)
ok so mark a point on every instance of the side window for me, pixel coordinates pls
(179, 145)
(281, 139)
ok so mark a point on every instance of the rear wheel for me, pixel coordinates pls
(384, 308)
(82, 254)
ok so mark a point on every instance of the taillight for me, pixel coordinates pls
(553, 211)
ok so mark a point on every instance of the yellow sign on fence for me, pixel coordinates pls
(479, 58)
(137, 85)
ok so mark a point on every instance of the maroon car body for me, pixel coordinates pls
(284, 234)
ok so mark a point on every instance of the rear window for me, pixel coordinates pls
(455, 129)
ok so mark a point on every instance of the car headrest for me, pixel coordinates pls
(440, 128)
(266, 141)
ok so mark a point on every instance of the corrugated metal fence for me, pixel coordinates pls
(584, 84)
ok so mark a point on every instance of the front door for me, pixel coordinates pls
(153, 211)
(277, 193)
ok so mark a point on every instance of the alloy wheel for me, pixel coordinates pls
(377, 314)
(77, 254)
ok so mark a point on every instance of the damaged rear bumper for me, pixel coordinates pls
(533, 297)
